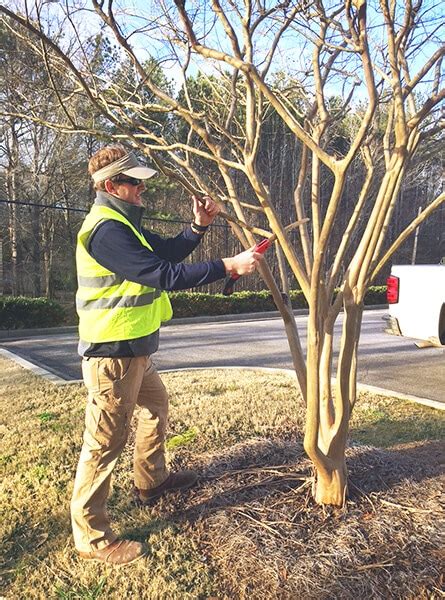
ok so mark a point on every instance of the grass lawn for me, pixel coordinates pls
(249, 529)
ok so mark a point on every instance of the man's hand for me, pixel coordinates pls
(243, 263)
(205, 211)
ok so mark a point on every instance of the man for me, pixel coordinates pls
(123, 272)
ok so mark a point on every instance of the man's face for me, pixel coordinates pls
(126, 188)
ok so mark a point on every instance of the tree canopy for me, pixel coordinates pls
(339, 99)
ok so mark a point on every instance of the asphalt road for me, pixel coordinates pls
(385, 361)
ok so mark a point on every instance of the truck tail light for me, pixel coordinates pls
(392, 289)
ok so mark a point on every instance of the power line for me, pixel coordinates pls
(84, 210)
(52, 206)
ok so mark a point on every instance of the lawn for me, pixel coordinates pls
(250, 528)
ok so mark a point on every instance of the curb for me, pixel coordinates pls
(363, 387)
(18, 334)
(29, 366)
(56, 380)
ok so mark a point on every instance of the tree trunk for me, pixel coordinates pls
(36, 252)
(327, 425)
(331, 484)
(13, 238)
(49, 293)
(48, 231)
(11, 183)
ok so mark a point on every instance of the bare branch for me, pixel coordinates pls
(249, 70)
(406, 233)
(227, 28)
(353, 221)
(434, 60)
(426, 109)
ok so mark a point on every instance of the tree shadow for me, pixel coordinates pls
(386, 432)
(226, 481)
(373, 470)
(30, 540)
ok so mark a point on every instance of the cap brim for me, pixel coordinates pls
(140, 172)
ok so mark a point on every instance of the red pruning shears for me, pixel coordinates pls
(261, 248)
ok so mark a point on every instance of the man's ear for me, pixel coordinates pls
(109, 187)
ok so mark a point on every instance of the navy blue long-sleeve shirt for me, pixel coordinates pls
(114, 246)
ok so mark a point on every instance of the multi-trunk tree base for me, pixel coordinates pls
(331, 488)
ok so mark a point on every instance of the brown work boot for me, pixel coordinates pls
(118, 553)
(175, 482)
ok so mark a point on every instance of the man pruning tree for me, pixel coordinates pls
(123, 271)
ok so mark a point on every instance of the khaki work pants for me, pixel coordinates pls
(115, 386)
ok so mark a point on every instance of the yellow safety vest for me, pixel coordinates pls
(111, 308)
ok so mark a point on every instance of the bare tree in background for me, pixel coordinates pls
(10, 152)
(375, 67)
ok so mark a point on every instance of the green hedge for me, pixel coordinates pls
(19, 312)
(376, 295)
(193, 304)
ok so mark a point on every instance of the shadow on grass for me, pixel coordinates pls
(384, 431)
(29, 540)
(249, 472)
(376, 470)
(227, 482)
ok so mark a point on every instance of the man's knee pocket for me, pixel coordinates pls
(107, 427)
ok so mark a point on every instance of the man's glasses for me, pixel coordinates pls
(130, 180)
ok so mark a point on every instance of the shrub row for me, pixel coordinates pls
(20, 312)
(193, 304)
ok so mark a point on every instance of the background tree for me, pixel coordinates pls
(361, 99)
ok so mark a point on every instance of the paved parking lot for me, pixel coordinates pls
(385, 361)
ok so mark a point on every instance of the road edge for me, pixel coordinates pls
(56, 380)
(36, 369)
(17, 334)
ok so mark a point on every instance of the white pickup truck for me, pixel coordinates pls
(416, 299)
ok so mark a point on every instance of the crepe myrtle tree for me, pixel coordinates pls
(382, 64)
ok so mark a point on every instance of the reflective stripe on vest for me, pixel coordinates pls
(118, 301)
(111, 308)
(101, 281)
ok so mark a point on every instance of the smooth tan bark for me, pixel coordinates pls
(331, 486)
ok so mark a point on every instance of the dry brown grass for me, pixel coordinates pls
(250, 528)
